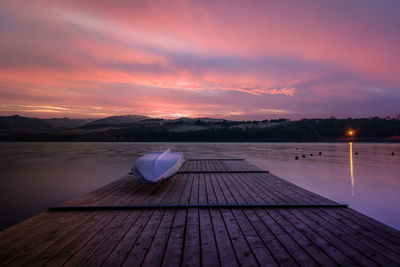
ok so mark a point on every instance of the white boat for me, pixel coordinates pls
(158, 166)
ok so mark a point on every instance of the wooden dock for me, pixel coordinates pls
(214, 212)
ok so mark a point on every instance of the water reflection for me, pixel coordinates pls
(351, 168)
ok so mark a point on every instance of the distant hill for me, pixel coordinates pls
(118, 120)
(18, 124)
(142, 128)
(66, 123)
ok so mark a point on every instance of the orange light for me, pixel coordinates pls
(350, 132)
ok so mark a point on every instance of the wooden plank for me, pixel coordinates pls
(226, 253)
(209, 249)
(24, 230)
(293, 241)
(154, 194)
(211, 199)
(225, 171)
(228, 197)
(297, 252)
(99, 256)
(334, 254)
(120, 252)
(155, 252)
(259, 249)
(207, 166)
(212, 159)
(387, 237)
(279, 252)
(130, 234)
(14, 233)
(295, 189)
(48, 240)
(370, 222)
(24, 236)
(45, 234)
(202, 189)
(187, 190)
(102, 195)
(341, 240)
(243, 252)
(218, 166)
(194, 193)
(183, 180)
(80, 238)
(316, 246)
(191, 247)
(306, 243)
(275, 249)
(98, 235)
(383, 260)
(196, 165)
(174, 247)
(337, 243)
(258, 192)
(275, 194)
(31, 240)
(369, 238)
(184, 165)
(378, 247)
(58, 246)
(240, 195)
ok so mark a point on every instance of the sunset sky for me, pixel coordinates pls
(222, 59)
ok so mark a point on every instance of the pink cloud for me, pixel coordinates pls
(129, 56)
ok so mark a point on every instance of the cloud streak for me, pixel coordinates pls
(248, 60)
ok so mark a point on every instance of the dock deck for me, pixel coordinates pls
(215, 212)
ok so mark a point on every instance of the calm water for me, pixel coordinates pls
(34, 176)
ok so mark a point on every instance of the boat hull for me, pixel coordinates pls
(158, 166)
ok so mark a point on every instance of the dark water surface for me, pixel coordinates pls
(34, 176)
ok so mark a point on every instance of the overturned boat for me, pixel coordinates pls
(158, 166)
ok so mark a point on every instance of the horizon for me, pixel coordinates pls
(250, 60)
(176, 118)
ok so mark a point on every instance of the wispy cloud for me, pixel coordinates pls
(250, 59)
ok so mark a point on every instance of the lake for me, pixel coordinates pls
(37, 175)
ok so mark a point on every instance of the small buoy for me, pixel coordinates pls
(304, 155)
(296, 158)
(311, 154)
(392, 153)
(320, 153)
(356, 153)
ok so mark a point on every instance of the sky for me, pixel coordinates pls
(249, 60)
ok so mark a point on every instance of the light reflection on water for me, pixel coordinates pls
(37, 175)
(351, 167)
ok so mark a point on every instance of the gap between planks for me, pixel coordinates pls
(201, 206)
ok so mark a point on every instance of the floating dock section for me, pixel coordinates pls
(215, 212)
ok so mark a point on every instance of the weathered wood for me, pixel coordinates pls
(99, 256)
(211, 159)
(191, 248)
(155, 251)
(215, 212)
(199, 206)
(121, 251)
(173, 252)
(228, 171)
